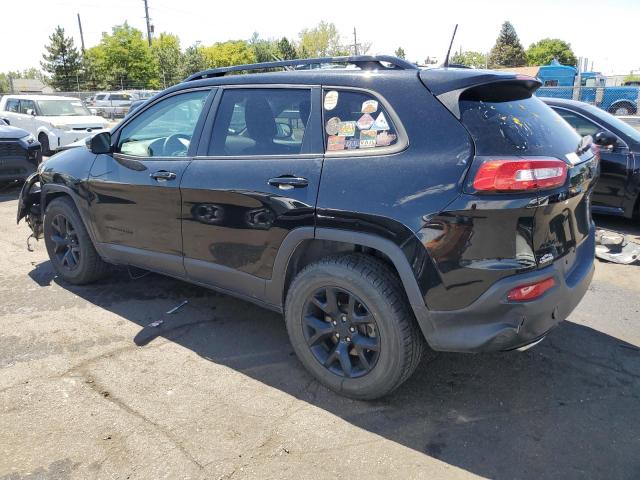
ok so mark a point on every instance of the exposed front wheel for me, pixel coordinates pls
(350, 325)
(44, 142)
(68, 244)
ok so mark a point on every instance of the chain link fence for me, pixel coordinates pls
(618, 100)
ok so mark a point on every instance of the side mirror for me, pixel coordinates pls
(31, 111)
(284, 131)
(605, 139)
(100, 143)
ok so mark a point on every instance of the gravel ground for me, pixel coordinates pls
(89, 390)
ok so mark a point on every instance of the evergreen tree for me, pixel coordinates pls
(61, 61)
(508, 51)
(400, 53)
(286, 49)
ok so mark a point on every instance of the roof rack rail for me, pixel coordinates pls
(365, 62)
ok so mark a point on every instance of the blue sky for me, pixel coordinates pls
(605, 32)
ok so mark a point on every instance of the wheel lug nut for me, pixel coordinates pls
(347, 339)
(337, 335)
(352, 329)
(343, 318)
(334, 323)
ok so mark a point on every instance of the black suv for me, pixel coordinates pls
(376, 207)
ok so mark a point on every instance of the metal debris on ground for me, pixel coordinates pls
(177, 307)
(157, 323)
(614, 247)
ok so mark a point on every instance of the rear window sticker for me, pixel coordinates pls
(347, 129)
(384, 139)
(367, 138)
(332, 126)
(335, 142)
(380, 123)
(331, 100)
(369, 106)
(352, 143)
(365, 122)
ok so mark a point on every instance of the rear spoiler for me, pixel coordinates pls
(447, 84)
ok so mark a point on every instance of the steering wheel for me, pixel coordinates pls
(176, 145)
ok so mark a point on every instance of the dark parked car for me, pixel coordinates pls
(19, 153)
(617, 192)
(375, 207)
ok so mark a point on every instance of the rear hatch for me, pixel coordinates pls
(508, 124)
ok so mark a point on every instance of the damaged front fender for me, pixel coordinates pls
(29, 205)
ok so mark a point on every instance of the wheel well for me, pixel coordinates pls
(625, 103)
(51, 196)
(310, 251)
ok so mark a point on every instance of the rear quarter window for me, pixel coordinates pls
(356, 121)
(504, 121)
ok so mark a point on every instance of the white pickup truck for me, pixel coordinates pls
(54, 121)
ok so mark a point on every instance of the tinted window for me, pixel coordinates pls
(26, 105)
(551, 83)
(614, 122)
(261, 121)
(356, 121)
(581, 124)
(12, 105)
(119, 96)
(100, 97)
(505, 121)
(165, 129)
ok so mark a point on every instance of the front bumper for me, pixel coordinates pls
(62, 138)
(16, 168)
(492, 323)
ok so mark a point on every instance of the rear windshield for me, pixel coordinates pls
(511, 122)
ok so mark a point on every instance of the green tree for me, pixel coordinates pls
(127, 59)
(94, 70)
(168, 57)
(471, 59)
(193, 60)
(232, 52)
(61, 61)
(545, 50)
(263, 50)
(508, 51)
(321, 41)
(400, 53)
(286, 49)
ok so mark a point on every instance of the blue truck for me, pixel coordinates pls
(564, 81)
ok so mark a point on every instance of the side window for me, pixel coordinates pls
(165, 129)
(100, 97)
(12, 105)
(26, 105)
(551, 83)
(356, 121)
(579, 123)
(261, 121)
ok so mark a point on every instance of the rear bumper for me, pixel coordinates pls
(492, 323)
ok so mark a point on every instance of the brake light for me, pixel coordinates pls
(519, 175)
(531, 291)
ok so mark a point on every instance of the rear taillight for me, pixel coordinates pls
(531, 291)
(519, 175)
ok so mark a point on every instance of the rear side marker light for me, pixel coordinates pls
(520, 175)
(531, 291)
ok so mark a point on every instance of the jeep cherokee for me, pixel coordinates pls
(375, 207)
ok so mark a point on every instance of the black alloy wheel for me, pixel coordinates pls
(65, 241)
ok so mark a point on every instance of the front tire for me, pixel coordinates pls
(624, 109)
(69, 246)
(350, 325)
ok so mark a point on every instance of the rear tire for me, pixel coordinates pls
(69, 246)
(44, 142)
(378, 339)
(623, 109)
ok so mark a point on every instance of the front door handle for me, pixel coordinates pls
(287, 182)
(163, 175)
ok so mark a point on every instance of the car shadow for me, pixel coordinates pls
(630, 227)
(568, 408)
(9, 191)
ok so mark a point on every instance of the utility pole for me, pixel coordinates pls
(355, 42)
(146, 14)
(81, 34)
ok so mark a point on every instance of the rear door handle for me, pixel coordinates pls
(163, 175)
(287, 182)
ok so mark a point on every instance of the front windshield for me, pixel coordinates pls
(54, 108)
(615, 122)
